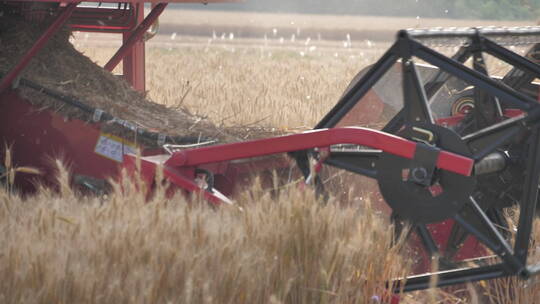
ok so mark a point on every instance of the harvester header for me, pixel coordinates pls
(451, 145)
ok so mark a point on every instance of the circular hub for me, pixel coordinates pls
(463, 106)
(404, 186)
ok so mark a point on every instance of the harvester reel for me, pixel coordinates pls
(417, 191)
(448, 106)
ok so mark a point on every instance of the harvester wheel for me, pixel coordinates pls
(440, 197)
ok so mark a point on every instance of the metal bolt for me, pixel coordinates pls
(419, 174)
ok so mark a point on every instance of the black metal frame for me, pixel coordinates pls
(498, 94)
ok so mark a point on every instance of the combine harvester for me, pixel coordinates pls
(450, 146)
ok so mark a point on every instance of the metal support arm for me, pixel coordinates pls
(137, 35)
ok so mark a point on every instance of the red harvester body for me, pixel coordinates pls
(424, 148)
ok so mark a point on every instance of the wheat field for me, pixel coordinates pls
(59, 247)
(281, 246)
(279, 88)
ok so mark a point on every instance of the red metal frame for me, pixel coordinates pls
(180, 167)
(38, 45)
(316, 139)
(148, 171)
(99, 19)
(134, 58)
(132, 50)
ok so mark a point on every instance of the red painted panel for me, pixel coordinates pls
(38, 137)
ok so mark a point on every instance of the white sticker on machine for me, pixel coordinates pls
(114, 147)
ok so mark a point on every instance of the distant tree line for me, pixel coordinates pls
(463, 9)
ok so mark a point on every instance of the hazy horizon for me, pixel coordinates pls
(459, 9)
